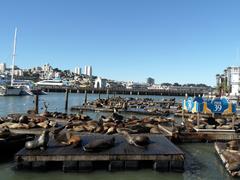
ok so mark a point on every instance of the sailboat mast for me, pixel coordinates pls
(14, 54)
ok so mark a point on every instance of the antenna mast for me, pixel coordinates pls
(14, 55)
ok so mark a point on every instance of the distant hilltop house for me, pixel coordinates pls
(229, 81)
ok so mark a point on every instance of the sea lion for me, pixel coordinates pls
(18, 126)
(44, 124)
(79, 128)
(62, 136)
(23, 119)
(5, 132)
(99, 145)
(89, 127)
(116, 116)
(74, 140)
(111, 130)
(232, 145)
(138, 141)
(130, 131)
(141, 140)
(155, 130)
(221, 121)
(99, 129)
(40, 142)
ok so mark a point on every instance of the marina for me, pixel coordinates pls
(66, 166)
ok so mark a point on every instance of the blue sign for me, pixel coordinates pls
(193, 104)
(220, 106)
(189, 104)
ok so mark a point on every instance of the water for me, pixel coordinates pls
(201, 160)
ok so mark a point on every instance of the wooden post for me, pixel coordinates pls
(183, 119)
(85, 100)
(66, 99)
(114, 94)
(36, 103)
(198, 119)
(99, 94)
(107, 93)
(233, 121)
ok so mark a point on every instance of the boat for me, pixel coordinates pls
(11, 90)
(28, 87)
(53, 82)
(6, 90)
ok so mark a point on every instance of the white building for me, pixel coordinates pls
(47, 68)
(233, 80)
(77, 70)
(100, 83)
(232, 77)
(2, 67)
(18, 72)
(88, 71)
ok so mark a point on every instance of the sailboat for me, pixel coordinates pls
(11, 90)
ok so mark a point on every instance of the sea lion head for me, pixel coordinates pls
(142, 140)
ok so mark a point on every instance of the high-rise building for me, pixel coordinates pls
(88, 71)
(2, 67)
(77, 70)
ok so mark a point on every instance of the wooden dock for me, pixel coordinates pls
(210, 136)
(229, 158)
(161, 155)
(129, 110)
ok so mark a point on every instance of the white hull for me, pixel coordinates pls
(10, 91)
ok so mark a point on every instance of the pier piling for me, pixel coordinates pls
(107, 93)
(85, 100)
(66, 99)
(36, 103)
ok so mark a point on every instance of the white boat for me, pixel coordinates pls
(27, 87)
(52, 82)
(11, 90)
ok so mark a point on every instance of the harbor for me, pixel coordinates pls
(35, 159)
(119, 90)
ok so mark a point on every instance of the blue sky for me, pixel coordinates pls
(185, 41)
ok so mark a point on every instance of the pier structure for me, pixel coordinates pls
(161, 92)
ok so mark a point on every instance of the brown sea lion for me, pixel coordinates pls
(74, 140)
(232, 145)
(18, 126)
(138, 141)
(23, 119)
(155, 130)
(128, 130)
(111, 130)
(5, 132)
(99, 129)
(99, 145)
(63, 136)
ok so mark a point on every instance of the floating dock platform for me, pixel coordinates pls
(160, 155)
(163, 112)
(229, 158)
